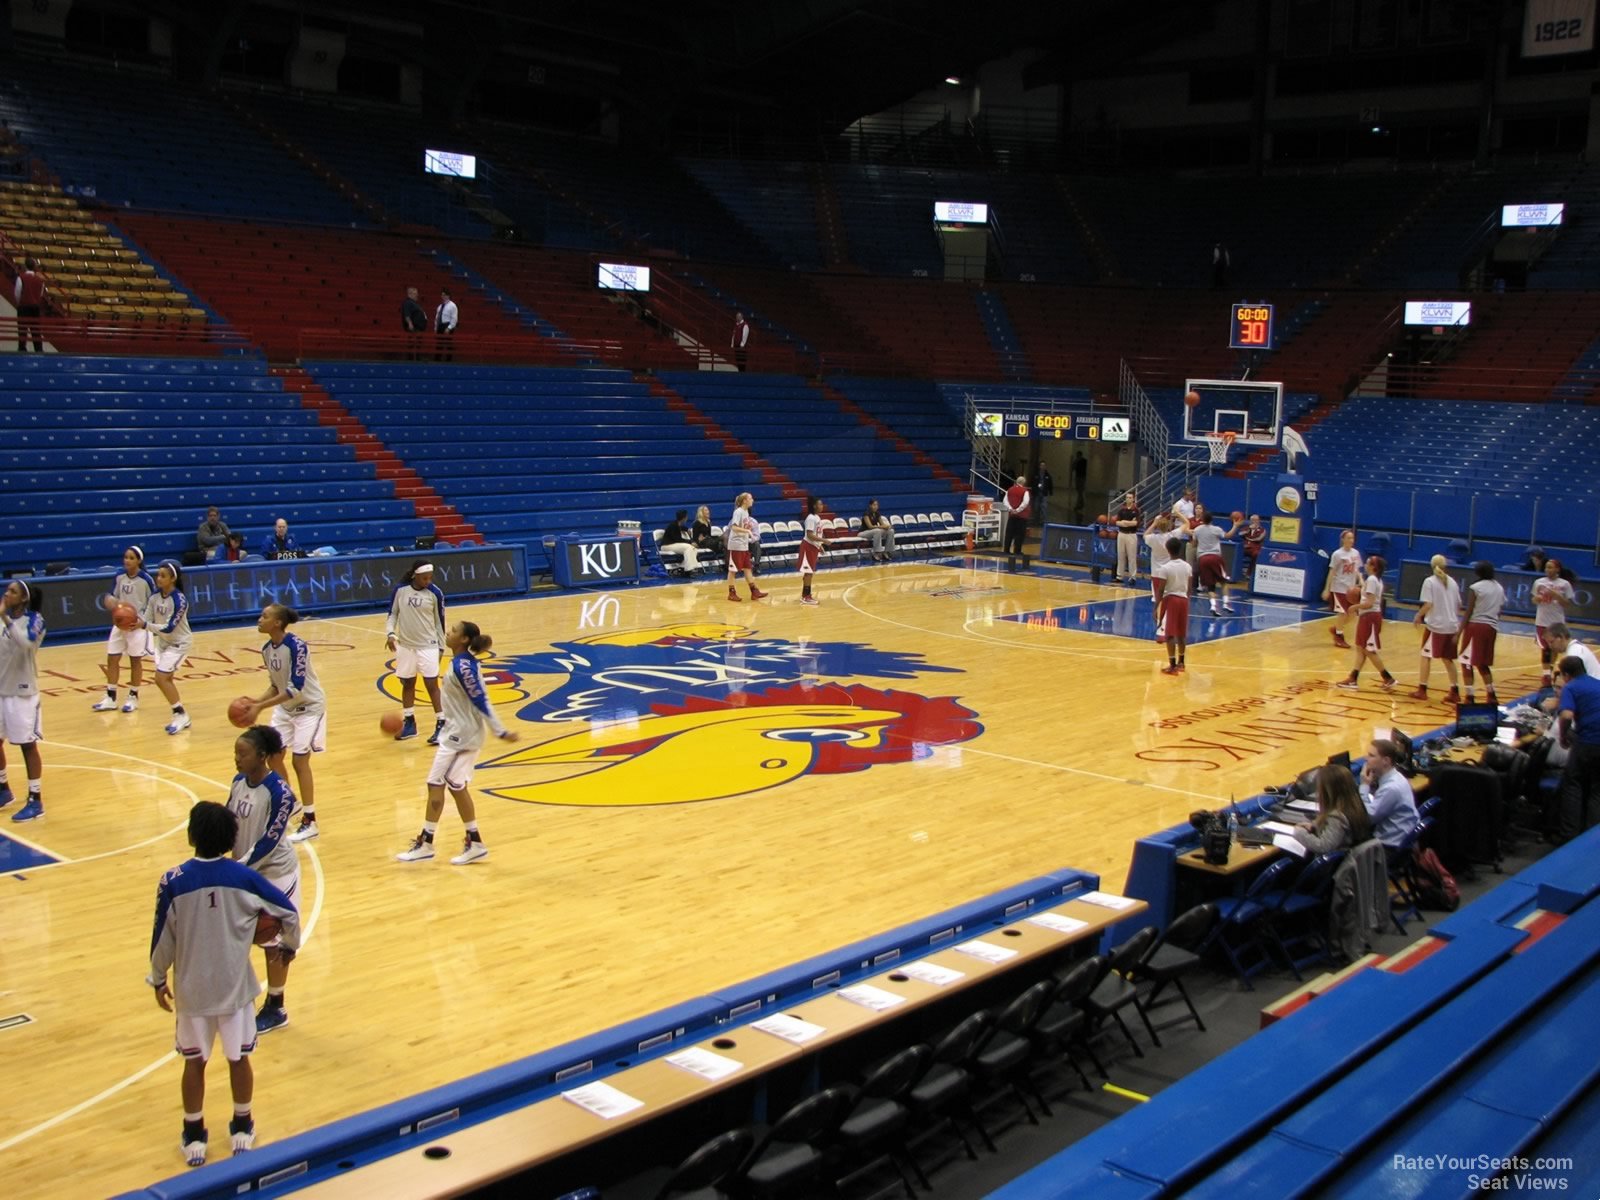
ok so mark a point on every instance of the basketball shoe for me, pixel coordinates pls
(420, 850)
(470, 853)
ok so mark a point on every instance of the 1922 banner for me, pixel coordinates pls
(1558, 27)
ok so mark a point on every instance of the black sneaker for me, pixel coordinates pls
(438, 728)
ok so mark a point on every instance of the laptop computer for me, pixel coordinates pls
(1477, 721)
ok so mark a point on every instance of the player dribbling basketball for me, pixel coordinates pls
(1343, 585)
(133, 588)
(262, 803)
(466, 711)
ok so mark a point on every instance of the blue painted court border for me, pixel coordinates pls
(17, 856)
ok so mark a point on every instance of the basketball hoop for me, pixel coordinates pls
(1217, 444)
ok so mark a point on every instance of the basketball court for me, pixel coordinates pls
(703, 791)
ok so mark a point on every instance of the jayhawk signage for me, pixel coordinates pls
(702, 711)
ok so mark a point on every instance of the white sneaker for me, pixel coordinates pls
(131, 704)
(421, 849)
(242, 1139)
(179, 722)
(470, 853)
(194, 1153)
(104, 704)
(305, 832)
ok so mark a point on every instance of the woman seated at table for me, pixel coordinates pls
(677, 538)
(1342, 820)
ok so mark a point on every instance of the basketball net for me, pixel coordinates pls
(1217, 444)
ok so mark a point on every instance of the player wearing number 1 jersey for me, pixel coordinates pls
(1343, 585)
(206, 918)
(810, 549)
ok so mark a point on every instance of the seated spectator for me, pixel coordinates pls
(877, 532)
(234, 550)
(1533, 559)
(677, 537)
(280, 542)
(1342, 821)
(700, 533)
(212, 534)
(1387, 796)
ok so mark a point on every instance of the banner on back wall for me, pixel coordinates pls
(1557, 27)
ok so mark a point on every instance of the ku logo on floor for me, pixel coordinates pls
(703, 711)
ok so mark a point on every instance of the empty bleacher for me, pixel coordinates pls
(810, 439)
(103, 452)
(530, 453)
(132, 138)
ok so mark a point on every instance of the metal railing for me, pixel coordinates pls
(1172, 465)
(175, 337)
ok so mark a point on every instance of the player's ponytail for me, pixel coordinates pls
(1438, 562)
(477, 641)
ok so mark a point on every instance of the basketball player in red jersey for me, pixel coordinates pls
(1343, 586)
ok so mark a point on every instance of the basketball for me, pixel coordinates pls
(267, 928)
(390, 722)
(1237, 516)
(125, 616)
(1191, 398)
(1102, 519)
(239, 713)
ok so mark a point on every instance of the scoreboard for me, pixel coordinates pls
(1061, 426)
(1250, 327)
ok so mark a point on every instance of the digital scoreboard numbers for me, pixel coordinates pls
(1052, 425)
(1250, 327)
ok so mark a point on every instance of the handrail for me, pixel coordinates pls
(175, 337)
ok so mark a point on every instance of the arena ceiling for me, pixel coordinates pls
(827, 60)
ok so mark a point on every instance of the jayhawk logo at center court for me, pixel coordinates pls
(703, 711)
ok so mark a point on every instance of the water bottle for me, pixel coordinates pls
(1233, 825)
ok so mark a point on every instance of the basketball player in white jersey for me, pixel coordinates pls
(206, 913)
(1480, 627)
(742, 531)
(299, 708)
(1343, 585)
(262, 803)
(1172, 613)
(21, 635)
(415, 633)
(133, 588)
(810, 549)
(166, 616)
(1440, 617)
(466, 712)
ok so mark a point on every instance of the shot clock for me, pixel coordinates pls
(1250, 327)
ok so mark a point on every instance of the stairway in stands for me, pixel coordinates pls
(901, 443)
(448, 523)
(692, 414)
